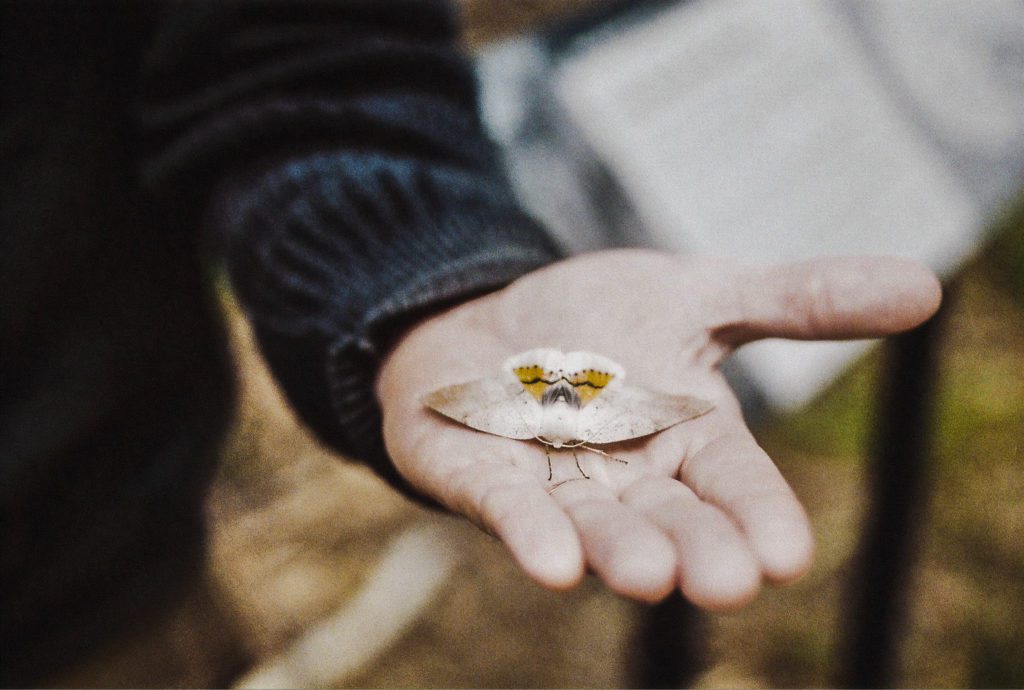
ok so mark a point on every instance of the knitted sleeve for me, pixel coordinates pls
(337, 151)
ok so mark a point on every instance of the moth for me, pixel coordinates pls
(564, 400)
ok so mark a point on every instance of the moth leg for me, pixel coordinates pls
(601, 452)
(547, 454)
(563, 483)
(577, 459)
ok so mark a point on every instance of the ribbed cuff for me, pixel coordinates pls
(333, 256)
(353, 362)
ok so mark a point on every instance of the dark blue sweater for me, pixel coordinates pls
(331, 153)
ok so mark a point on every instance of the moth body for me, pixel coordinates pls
(560, 412)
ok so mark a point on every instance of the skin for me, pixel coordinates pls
(699, 506)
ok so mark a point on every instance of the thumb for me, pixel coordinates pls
(829, 298)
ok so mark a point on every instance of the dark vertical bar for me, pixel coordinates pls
(671, 645)
(898, 476)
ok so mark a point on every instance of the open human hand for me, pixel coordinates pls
(698, 506)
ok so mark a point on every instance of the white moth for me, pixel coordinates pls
(564, 400)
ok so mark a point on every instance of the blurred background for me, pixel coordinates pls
(763, 130)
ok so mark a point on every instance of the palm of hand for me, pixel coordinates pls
(698, 506)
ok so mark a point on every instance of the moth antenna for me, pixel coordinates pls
(601, 452)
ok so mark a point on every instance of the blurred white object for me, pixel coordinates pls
(961, 64)
(776, 131)
(416, 564)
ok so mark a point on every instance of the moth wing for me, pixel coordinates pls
(618, 415)
(499, 407)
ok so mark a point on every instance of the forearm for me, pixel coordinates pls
(345, 168)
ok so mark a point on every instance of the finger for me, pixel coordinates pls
(735, 474)
(510, 503)
(626, 551)
(829, 298)
(717, 570)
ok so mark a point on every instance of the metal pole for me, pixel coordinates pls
(671, 644)
(898, 476)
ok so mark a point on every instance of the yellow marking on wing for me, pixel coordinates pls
(532, 378)
(589, 383)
